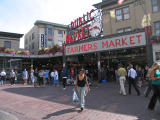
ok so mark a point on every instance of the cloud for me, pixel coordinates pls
(18, 16)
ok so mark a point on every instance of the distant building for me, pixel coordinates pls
(10, 40)
(44, 34)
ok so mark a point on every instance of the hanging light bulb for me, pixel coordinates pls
(120, 1)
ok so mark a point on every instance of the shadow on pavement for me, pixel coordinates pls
(105, 97)
(65, 111)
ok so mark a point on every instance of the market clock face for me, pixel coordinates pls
(95, 28)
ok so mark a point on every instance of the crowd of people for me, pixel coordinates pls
(134, 75)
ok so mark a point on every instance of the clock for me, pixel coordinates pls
(95, 27)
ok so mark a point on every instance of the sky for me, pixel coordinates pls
(18, 16)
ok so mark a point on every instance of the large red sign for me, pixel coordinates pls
(132, 40)
(82, 28)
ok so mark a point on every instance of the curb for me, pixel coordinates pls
(7, 116)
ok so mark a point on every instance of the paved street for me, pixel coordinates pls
(54, 103)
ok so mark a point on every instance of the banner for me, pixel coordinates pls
(126, 41)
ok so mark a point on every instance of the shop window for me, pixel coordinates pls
(155, 5)
(7, 44)
(122, 14)
(157, 28)
(120, 31)
(60, 33)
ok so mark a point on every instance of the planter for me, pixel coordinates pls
(47, 52)
(3, 53)
(27, 53)
(12, 53)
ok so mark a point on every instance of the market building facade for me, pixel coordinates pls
(44, 34)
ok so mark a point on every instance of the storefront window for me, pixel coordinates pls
(7, 44)
(155, 5)
(123, 30)
(157, 28)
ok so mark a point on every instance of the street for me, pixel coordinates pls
(53, 103)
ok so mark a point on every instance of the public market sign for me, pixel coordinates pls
(84, 27)
(126, 41)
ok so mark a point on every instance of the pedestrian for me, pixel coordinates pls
(2, 77)
(81, 85)
(56, 79)
(12, 77)
(32, 76)
(117, 76)
(47, 77)
(132, 74)
(122, 78)
(36, 77)
(155, 76)
(41, 78)
(149, 80)
(25, 76)
(64, 77)
(139, 77)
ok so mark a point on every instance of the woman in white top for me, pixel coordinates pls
(25, 76)
(3, 76)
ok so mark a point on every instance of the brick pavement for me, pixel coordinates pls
(54, 103)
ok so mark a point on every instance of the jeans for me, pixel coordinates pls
(82, 91)
(133, 82)
(64, 82)
(155, 97)
(149, 88)
(1, 82)
(122, 80)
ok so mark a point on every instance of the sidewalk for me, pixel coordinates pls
(7, 116)
(54, 103)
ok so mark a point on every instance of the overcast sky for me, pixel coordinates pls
(18, 16)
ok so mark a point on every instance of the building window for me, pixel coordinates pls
(60, 43)
(7, 44)
(60, 33)
(155, 5)
(122, 14)
(123, 30)
(49, 35)
(26, 41)
(32, 45)
(157, 28)
(32, 36)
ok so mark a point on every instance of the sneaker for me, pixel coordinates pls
(64, 88)
(81, 108)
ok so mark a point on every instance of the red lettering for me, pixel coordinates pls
(80, 21)
(75, 23)
(79, 34)
(139, 38)
(67, 38)
(124, 42)
(75, 49)
(89, 46)
(85, 49)
(91, 18)
(81, 48)
(104, 44)
(87, 26)
(111, 44)
(72, 25)
(72, 51)
(118, 42)
(83, 33)
(87, 16)
(95, 46)
(68, 48)
(84, 21)
(71, 38)
(131, 40)
(74, 36)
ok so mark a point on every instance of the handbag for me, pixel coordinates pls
(75, 97)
